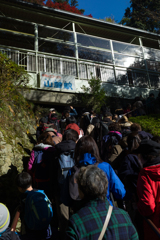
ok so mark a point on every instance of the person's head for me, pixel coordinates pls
(73, 126)
(86, 144)
(108, 115)
(133, 141)
(95, 120)
(42, 121)
(4, 218)
(93, 112)
(115, 117)
(114, 127)
(54, 116)
(70, 119)
(66, 113)
(45, 138)
(52, 110)
(71, 134)
(149, 149)
(92, 183)
(135, 127)
(23, 181)
(123, 119)
(51, 132)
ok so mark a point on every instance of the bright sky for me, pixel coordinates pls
(104, 8)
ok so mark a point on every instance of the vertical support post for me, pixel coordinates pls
(141, 44)
(113, 61)
(36, 45)
(76, 47)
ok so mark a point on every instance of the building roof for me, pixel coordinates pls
(20, 9)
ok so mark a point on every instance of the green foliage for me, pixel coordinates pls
(143, 14)
(12, 78)
(94, 95)
(149, 123)
(110, 19)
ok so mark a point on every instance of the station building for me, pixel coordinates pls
(61, 51)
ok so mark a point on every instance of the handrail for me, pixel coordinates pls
(153, 226)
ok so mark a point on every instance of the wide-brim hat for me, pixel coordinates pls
(51, 130)
(4, 217)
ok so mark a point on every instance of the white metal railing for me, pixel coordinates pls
(50, 63)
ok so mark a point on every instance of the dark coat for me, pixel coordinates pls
(129, 170)
(8, 235)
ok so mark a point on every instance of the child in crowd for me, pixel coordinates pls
(33, 226)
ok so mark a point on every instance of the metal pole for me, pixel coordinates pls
(141, 44)
(76, 48)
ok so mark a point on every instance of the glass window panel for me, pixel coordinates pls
(152, 54)
(152, 65)
(17, 26)
(91, 71)
(83, 71)
(57, 48)
(107, 75)
(15, 40)
(127, 49)
(140, 79)
(55, 34)
(93, 42)
(69, 68)
(121, 77)
(126, 61)
(95, 55)
(154, 80)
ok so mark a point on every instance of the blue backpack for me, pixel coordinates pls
(38, 210)
(66, 162)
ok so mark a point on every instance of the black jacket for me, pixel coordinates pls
(8, 235)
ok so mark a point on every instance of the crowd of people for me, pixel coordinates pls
(96, 177)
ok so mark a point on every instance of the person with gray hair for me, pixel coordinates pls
(88, 222)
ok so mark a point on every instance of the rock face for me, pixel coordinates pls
(17, 138)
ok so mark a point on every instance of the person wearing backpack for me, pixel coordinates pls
(89, 221)
(63, 161)
(87, 153)
(71, 123)
(39, 129)
(110, 147)
(40, 161)
(53, 119)
(35, 210)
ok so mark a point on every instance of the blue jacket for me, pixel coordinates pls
(74, 113)
(114, 183)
